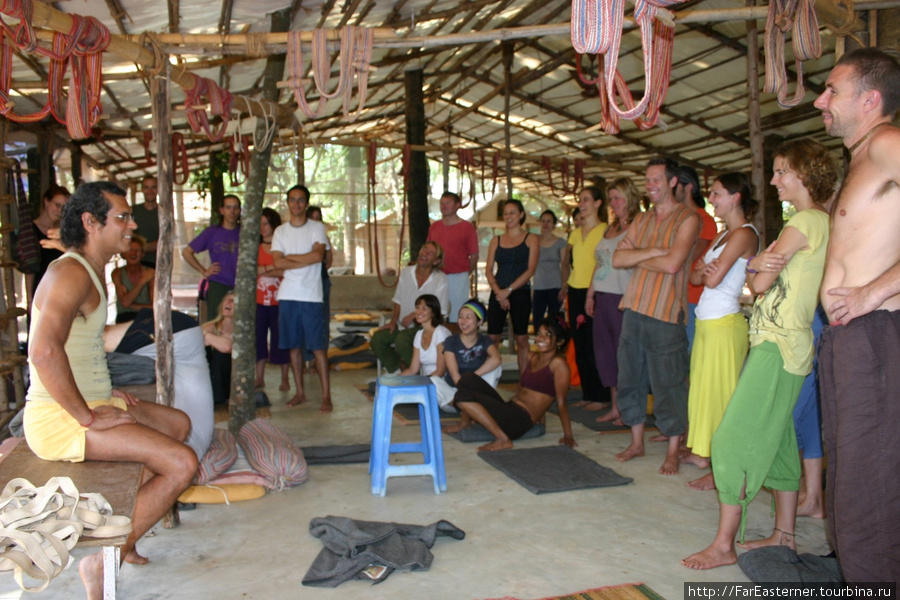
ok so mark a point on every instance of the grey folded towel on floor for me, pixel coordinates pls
(783, 565)
(352, 547)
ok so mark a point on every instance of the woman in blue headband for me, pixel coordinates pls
(467, 352)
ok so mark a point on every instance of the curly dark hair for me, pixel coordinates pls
(88, 198)
(557, 326)
(814, 165)
(272, 217)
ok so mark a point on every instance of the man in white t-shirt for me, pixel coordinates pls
(298, 247)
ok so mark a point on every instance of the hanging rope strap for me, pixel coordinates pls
(239, 161)
(356, 45)
(361, 66)
(89, 38)
(564, 172)
(179, 155)
(465, 158)
(81, 48)
(220, 102)
(800, 17)
(495, 173)
(596, 28)
(578, 177)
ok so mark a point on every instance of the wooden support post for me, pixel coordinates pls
(76, 155)
(771, 220)
(508, 54)
(12, 360)
(757, 175)
(301, 162)
(162, 305)
(355, 174)
(242, 403)
(417, 187)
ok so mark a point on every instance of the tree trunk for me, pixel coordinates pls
(242, 405)
(162, 304)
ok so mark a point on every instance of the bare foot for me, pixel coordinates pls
(496, 445)
(812, 509)
(91, 570)
(710, 558)
(326, 407)
(703, 483)
(612, 415)
(669, 466)
(259, 383)
(284, 387)
(452, 428)
(136, 559)
(693, 459)
(778, 538)
(630, 452)
(580, 403)
(592, 406)
(297, 400)
(659, 438)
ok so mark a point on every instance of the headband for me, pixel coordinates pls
(476, 308)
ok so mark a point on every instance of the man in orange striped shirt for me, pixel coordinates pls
(653, 353)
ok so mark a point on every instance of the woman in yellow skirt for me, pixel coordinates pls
(721, 339)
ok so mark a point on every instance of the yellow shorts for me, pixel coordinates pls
(53, 434)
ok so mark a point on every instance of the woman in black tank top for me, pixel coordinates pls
(515, 253)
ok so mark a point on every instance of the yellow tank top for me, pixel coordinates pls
(84, 348)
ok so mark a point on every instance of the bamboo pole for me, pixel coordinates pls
(126, 46)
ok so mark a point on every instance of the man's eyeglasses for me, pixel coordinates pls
(124, 217)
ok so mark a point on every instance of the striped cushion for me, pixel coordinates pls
(272, 453)
(218, 459)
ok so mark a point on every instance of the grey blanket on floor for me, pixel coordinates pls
(352, 546)
(335, 455)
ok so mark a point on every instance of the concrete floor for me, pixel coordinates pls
(517, 543)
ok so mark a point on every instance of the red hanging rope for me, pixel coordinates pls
(495, 172)
(239, 160)
(179, 154)
(578, 177)
(220, 102)
(82, 47)
(465, 158)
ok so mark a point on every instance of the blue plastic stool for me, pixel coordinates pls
(411, 389)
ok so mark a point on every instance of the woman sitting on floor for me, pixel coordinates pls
(469, 351)
(134, 282)
(545, 379)
(217, 336)
(427, 359)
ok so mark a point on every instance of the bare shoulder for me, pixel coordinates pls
(884, 150)
(70, 275)
(557, 363)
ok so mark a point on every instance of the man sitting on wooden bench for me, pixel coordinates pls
(72, 413)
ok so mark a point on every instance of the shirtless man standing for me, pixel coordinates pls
(859, 352)
(72, 412)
